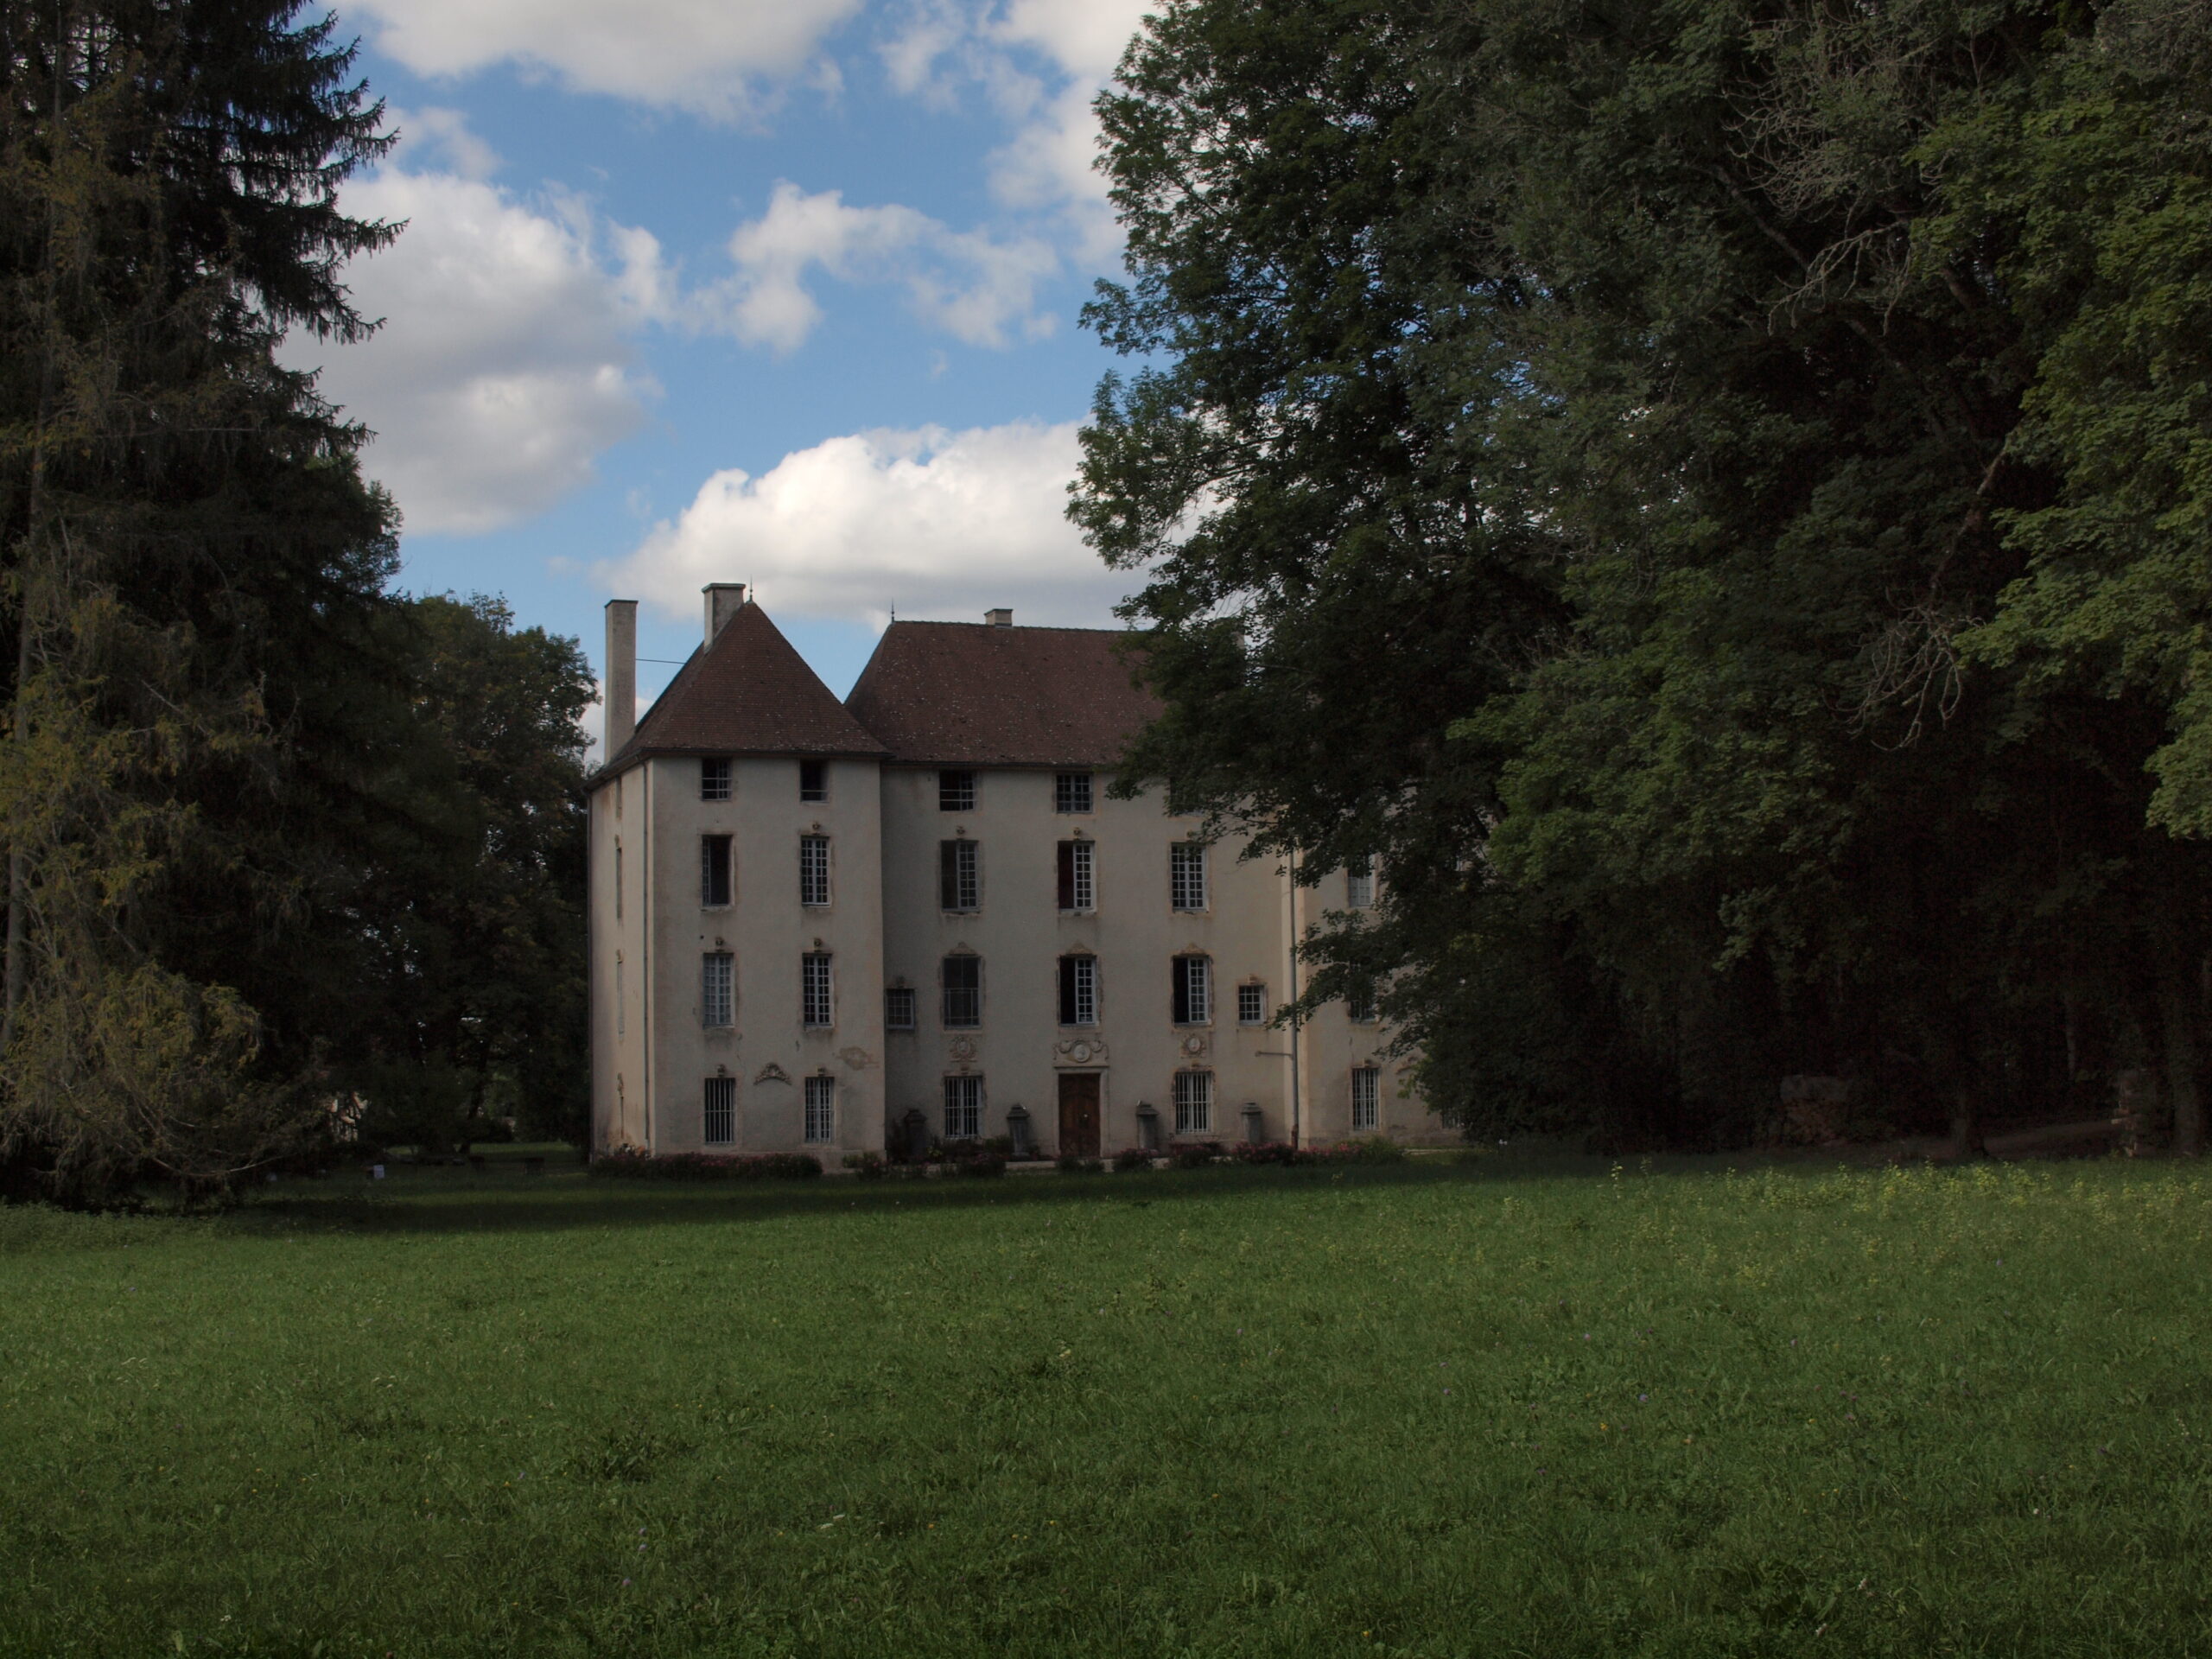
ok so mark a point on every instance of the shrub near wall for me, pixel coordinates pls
(1380, 1149)
(708, 1167)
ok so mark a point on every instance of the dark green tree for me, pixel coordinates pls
(192, 569)
(468, 902)
(1709, 327)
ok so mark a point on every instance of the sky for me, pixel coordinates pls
(774, 291)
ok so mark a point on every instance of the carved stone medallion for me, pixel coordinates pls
(1082, 1050)
(962, 1048)
(1195, 1045)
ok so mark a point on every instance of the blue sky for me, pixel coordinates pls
(698, 290)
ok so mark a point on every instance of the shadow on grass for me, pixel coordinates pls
(439, 1202)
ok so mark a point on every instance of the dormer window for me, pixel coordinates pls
(814, 780)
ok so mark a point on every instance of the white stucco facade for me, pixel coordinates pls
(929, 892)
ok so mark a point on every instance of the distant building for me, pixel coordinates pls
(815, 925)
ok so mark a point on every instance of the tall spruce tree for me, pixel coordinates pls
(192, 569)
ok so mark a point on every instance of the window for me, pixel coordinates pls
(1359, 883)
(1071, 792)
(1078, 990)
(960, 884)
(719, 1127)
(815, 1002)
(814, 870)
(717, 1003)
(714, 870)
(956, 791)
(963, 993)
(1193, 1103)
(1366, 1099)
(1359, 1003)
(1193, 990)
(1251, 1005)
(814, 780)
(820, 1111)
(714, 781)
(899, 1008)
(1187, 875)
(963, 1108)
(1078, 890)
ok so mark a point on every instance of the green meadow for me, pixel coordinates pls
(1448, 1407)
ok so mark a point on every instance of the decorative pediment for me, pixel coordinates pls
(772, 1073)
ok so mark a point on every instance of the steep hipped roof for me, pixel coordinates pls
(969, 694)
(747, 693)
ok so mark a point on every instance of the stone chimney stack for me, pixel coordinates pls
(999, 619)
(621, 674)
(724, 600)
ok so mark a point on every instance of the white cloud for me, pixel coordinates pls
(979, 291)
(931, 523)
(431, 136)
(502, 369)
(1041, 62)
(1086, 38)
(699, 56)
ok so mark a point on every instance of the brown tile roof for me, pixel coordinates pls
(748, 693)
(973, 695)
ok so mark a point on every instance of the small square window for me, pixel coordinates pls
(899, 1008)
(1251, 1005)
(814, 780)
(714, 781)
(956, 791)
(1071, 792)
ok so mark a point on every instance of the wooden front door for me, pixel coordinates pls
(1078, 1113)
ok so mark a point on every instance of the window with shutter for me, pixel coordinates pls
(1194, 986)
(714, 870)
(963, 993)
(1079, 990)
(960, 886)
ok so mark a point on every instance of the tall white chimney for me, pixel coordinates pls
(621, 672)
(724, 600)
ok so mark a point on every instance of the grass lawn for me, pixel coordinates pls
(1432, 1409)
